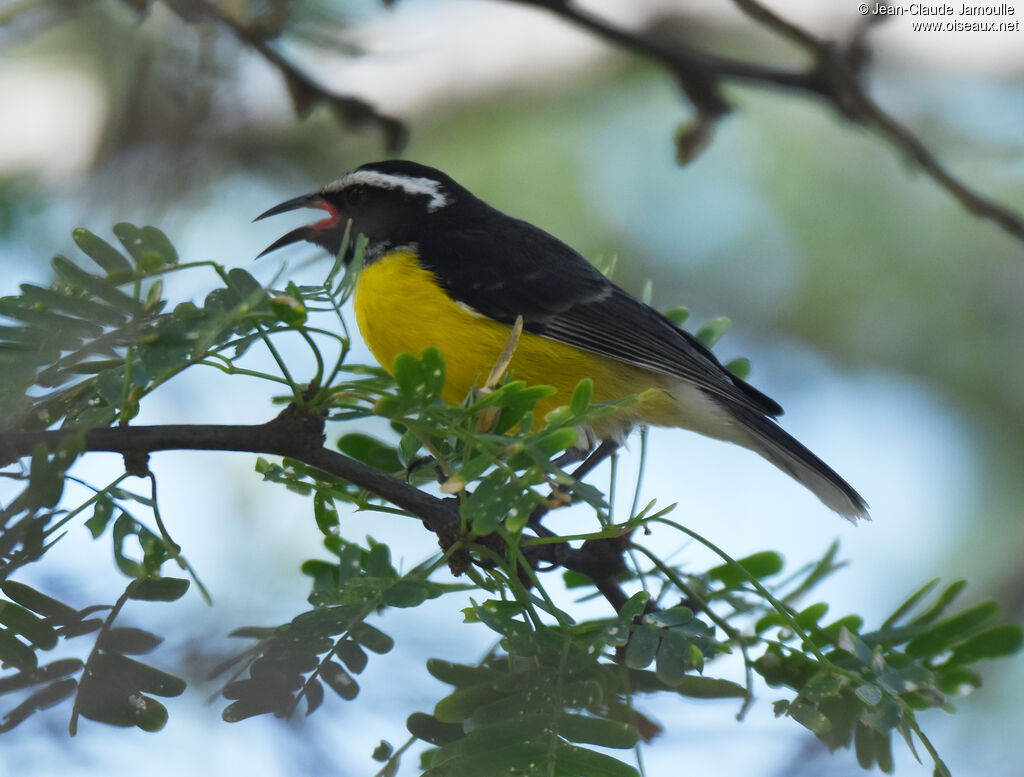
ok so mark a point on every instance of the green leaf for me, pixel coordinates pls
(810, 717)
(674, 616)
(884, 717)
(408, 593)
(673, 659)
(101, 252)
(809, 617)
(957, 680)
(496, 499)
(408, 448)
(678, 315)
(325, 512)
(148, 246)
(79, 307)
(461, 674)
(55, 670)
(101, 515)
(552, 441)
(382, 752)
(582, 396)
(158, 589)
(40, 700)
(374, 640)
(288, 310)
(869, 693)
(945, 599)
(462, 702)
(378, 562)
(643, 646)
(16, 653)
(855, 646)
(700, 687)
(712, 331)
(351, 655)
(371, 451)
(954, 629)
(128, 640)
(757, 565)
(152, 716)
(1003, 640)
(143, 677)
(579, 762)
(634, 607)
(98, 287)
(339, 680)
(822, 686)
(30, 626)
(909, 604)
(38, 602)
(408, 374)
(433, 372)
(46, 479)
(597, 731)
(739, 367)
(430, 729)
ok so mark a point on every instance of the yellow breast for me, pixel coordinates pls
(400, 308)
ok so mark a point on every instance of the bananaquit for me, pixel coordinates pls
(444, 268)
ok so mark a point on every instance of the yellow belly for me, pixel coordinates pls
(400, 309)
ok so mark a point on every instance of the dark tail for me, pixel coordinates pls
(784, 451)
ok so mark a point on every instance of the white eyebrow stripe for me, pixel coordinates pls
(424, 186)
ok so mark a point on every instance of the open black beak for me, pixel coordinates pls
(324, 233)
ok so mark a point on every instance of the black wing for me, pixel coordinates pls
(561, 296)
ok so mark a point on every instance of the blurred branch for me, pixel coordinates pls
(835, 75)
(304, 90)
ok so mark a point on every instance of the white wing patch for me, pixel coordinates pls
(422, 186)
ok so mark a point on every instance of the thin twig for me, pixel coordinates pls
(834, 75)
(305, 92)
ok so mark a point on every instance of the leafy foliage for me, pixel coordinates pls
(83, 353)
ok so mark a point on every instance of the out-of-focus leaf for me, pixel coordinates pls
(374, 640)
(33, 628)
(712, 331)
(430, 729)
(370, 450)
(158, 589)
(42, 699)
(758, 565)
(53, 671)
(810, 718)
(38, 602)
(15, 652)
(699, 687)
(643, 646)
(1003, 640)
(953, 629)
(597, 731)
(124, 639)
(104, 254)
(339, 680)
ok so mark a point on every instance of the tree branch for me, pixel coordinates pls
(305, 92)
(834, 75)
(299, 436)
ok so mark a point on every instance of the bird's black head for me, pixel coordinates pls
(392, 203)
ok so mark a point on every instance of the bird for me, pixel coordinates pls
(443, 268)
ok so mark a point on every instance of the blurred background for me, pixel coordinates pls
(888, 321)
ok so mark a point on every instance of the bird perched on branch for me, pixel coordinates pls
(443, 268)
